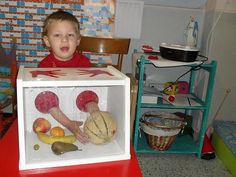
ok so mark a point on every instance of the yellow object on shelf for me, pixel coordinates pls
(170, 88)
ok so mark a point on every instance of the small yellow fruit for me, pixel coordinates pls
(57, 131)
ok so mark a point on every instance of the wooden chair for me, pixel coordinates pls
(97, 45)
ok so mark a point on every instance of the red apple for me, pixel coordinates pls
(41, 125)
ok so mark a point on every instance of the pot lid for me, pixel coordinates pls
(179, 47)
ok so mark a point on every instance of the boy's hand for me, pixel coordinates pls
(75, 129)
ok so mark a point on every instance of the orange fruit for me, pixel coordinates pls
(57, 131)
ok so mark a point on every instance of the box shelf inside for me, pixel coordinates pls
(197, 103)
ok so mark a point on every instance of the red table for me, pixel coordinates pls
(9, 162)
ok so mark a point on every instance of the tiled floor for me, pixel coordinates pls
(170, 165)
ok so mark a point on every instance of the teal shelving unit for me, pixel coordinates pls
(184, 143)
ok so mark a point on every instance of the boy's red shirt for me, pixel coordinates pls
(78, 60)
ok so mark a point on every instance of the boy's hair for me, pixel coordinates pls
(60, 15)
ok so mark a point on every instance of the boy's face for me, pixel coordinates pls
(62, 39)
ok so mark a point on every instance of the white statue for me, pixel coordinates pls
(191, 33)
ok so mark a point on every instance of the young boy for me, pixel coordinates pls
(61, 34)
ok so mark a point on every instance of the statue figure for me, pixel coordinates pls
(191, 33)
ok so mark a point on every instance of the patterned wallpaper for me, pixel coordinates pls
(21, 23)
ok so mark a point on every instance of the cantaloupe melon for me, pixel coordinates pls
(100, 127)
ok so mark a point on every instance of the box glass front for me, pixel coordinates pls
(113, 97)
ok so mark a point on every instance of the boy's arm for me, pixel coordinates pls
(73, 126)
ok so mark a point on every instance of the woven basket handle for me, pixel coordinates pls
(157, 125)
(158, 115)
(164, 126)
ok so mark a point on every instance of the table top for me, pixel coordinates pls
(9, 163)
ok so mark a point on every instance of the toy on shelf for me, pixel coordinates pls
(151, 51)
(183, 87)
(171, 89)
(169, 92)
(147, 48)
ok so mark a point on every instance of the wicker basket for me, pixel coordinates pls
(161, 128)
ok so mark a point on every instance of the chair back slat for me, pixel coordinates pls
(97, 45)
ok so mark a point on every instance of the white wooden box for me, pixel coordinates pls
(113, 90)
